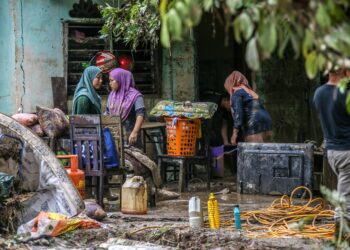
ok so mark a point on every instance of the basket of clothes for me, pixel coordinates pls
(183, 124)
(181, 135)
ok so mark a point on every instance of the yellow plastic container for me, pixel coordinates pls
(213, 212)
(134, 196)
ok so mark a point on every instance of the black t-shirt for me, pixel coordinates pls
(335, 121)
(218, 118)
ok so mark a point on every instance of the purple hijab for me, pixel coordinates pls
(120, 102)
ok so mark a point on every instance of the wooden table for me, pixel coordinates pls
(150, 125)
(147, 128)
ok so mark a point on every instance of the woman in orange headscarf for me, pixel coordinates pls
(249, 115)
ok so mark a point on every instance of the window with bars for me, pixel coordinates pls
(83, 41)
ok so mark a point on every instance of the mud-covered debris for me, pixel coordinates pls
(163, 195)
(9, 148)
(53, 121)
(26, 119)
(93, 210)
(124, 244)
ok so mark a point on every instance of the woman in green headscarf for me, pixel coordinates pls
(86, 100)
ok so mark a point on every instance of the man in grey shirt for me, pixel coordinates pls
(330, 104)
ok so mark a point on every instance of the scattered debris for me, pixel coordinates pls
(40, 182)
(93, 210)
(124, 244)
(54, 224)
(11, 212)
(163, 194)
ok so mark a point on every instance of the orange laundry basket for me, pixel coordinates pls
(181, 136)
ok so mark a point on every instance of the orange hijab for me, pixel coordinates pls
(236, 80)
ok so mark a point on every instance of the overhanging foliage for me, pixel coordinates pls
(134, 22)
(318, 30)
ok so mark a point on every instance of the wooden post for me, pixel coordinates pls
(59, 93)
(182, 176)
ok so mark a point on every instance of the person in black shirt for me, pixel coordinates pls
(330, 104)
(222, 118)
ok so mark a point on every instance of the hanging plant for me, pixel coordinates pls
(135, 22)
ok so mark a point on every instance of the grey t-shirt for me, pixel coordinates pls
(137, 110)
(139, 106)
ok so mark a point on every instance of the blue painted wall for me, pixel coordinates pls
(38, 24)
(31, 45)
(7, 58)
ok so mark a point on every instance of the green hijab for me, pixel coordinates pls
(85, 88)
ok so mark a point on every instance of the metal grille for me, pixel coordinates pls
(83, 41)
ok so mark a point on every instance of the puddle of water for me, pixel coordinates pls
(226, 201)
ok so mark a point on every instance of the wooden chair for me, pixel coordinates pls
(86, 133)
(185, 163)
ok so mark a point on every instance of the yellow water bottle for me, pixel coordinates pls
(213, 212)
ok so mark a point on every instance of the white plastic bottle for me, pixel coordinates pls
(195, 212)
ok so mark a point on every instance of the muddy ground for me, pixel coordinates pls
(166, 227)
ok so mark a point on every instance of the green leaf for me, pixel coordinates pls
(321, 62)
(254, 13)
(311, 64)
(283, 37)
(267, 37)
(182, 9)
(307, 43)
(283, 46)
(246, 26)
(154, 3)
(331, 41)
(164, 33)
(85, 65)
(295, 44)
(342, 85)
(163, 7)
(334, 197)
(175, 25)
(233, 5)
(217, 4)
(207, 4)
(335, 10)
(252, 55)
(195, 14)
(237, 30)
(322, 17)
(243, 24)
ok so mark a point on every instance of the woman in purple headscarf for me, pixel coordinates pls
(126, 102)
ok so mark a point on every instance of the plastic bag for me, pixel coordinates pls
(26, 119)
(54, 224)
(6, 183)
(110, 153)
(194, 110)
